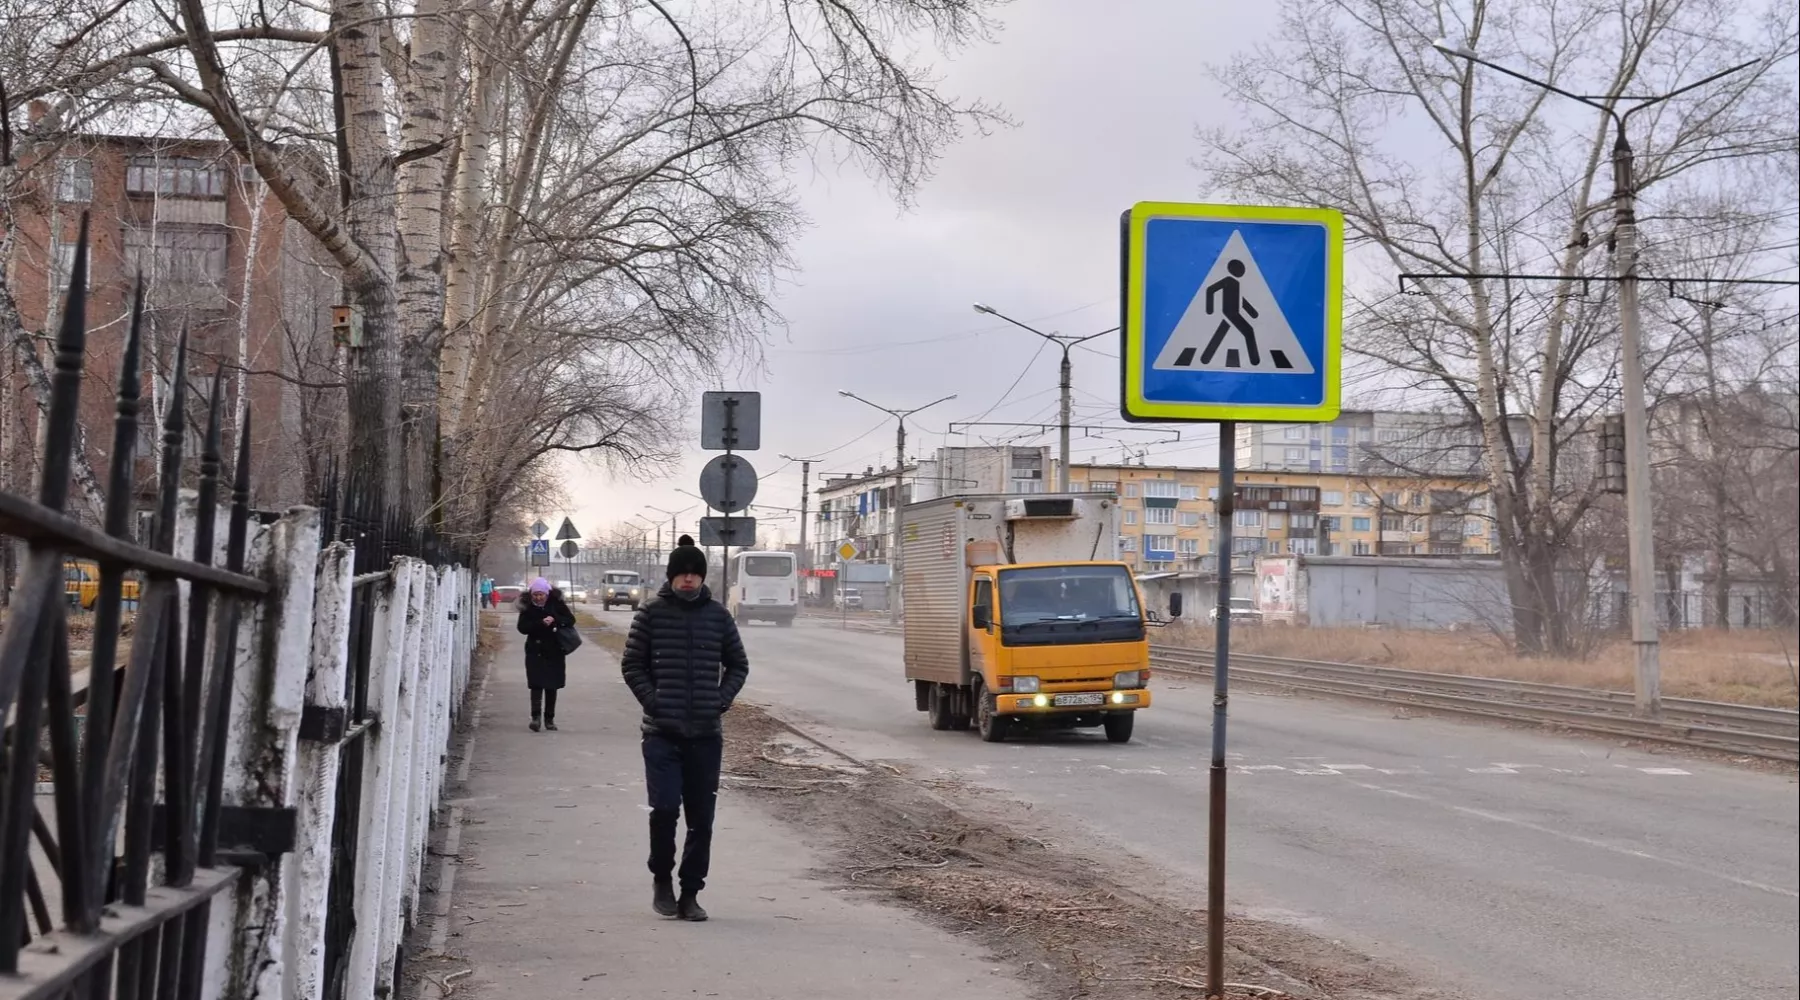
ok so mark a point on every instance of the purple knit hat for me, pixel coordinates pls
(540, 586)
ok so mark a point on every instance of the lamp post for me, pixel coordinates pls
(896, 558)
(650, 564)
(1639, 536)
(1065, 342)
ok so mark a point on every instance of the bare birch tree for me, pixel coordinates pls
(1446, 168)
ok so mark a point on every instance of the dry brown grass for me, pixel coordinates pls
(1748, 667)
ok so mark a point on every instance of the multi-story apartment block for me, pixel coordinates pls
(220, 259)
(1168, 522)
(1370, 441)
(992, 469)
(859, 508)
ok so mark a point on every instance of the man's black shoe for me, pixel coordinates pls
(665, 898)
(550, 724)
(536, 725)
(689, 908)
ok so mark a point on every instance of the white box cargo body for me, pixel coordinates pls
(1027, 528)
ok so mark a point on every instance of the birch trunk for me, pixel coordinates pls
(468, 211)
(376, 439)
(419, 289)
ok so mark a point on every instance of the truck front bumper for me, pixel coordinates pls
(1050, 703)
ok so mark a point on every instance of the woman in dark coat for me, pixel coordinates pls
(542, 611)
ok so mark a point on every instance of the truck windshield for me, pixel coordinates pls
(622, 579)
(1066, 594)
(768, 565)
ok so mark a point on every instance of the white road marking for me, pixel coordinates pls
(1498, 769)
(1663, 770)
(1350, 767)
(1590, 842)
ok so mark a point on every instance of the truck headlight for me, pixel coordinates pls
(1025, 685)
(1128, 679)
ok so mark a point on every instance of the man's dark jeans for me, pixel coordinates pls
(682, 774)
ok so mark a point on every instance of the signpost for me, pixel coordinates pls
(539, 528)
(846, 551)
(540, 552)
(566, 534)
(729, 422)
(1229, 313)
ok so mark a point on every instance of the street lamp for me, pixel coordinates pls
(1640, 541)
(1065, 342)
(896, 558)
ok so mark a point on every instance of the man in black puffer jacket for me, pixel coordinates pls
(685, 662)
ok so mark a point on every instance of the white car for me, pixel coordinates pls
(848, 597)
(573, 592)
(1243, 612)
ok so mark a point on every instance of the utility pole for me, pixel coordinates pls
(806, 465)
(896, 558)
(1066, 383)
(1640, 537)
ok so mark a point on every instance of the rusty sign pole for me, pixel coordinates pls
(1215, 822)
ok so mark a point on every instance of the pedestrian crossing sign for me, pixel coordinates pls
(1231, 312)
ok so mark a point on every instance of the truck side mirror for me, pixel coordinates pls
(1175, 604)
(982, 618)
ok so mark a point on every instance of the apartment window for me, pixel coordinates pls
(62, 265)
(75, 180)
(1359, 548)
(174, 177)
(1212, 493)
(1167, 489)
(1295, 455)
(1188, 546)
(1304, 494)
(1028, 486)
(1393, 522)
(1131, 517)
(1303, 546)
(176, 255)
(1190, 492)
(1271, 546)
(1473, 526)
(1128, 543)
(1277, 520)
(1360, 499)
(1159, 515)
(1101, 486)
(1190, 519)
(1415, 524)
(1159, 543)
(1131, 489)
(1303, 522)
(1293, 432)
(1360, 524)
(1247, 518)
(1391, 498)
(1246, 546)
(1212, 519)
(1332, 498)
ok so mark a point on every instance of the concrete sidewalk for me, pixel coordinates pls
(551, 897)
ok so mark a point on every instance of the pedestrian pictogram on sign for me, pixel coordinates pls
(1234, 322)
(1231, 312)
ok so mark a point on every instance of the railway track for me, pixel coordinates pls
(1749, 730)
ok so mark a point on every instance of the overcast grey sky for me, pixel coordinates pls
(1025, 219)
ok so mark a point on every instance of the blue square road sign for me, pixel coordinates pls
(1231, 312)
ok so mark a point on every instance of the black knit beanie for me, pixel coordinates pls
(687, 559)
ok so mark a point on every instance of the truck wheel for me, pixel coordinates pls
(937, 708)
(991, 725)
(1118, 727)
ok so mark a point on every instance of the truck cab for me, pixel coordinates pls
(1019, 616)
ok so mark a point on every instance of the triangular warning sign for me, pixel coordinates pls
(567, 531)
(1234, 323)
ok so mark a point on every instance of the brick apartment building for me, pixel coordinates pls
(220, 257)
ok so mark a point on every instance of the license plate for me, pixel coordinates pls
(766, 600)
(1094, 698)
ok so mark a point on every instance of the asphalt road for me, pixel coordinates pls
(1500, 863)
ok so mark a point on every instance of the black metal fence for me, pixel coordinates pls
(157, 711)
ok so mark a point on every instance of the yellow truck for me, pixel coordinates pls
(1019, 614)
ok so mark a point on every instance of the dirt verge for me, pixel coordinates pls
(976, 867)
